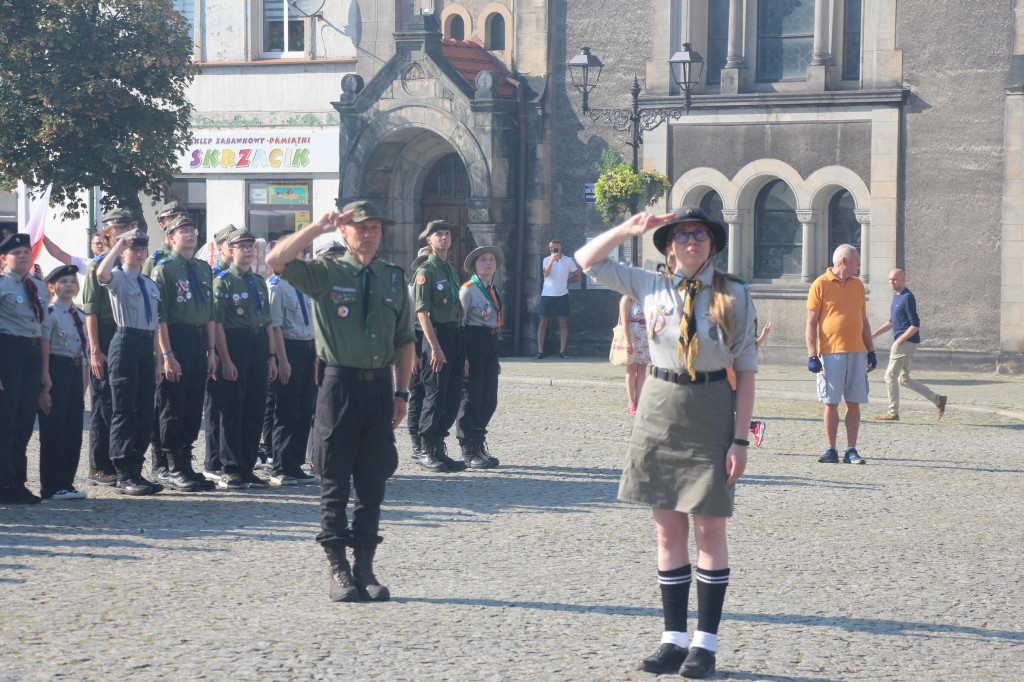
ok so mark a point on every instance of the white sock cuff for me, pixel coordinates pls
(705, 640)
(680, 639)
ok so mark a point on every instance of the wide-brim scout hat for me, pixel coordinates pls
(138, 237)
(470, 264)
(180, 222)
(367, 210)
(15, 241)
(117, 215)
(240, 235)
(61, 271)
(169, 209)
(222, 234)
(421, 258)
(435, 225)
(692, 214)
(329, 249)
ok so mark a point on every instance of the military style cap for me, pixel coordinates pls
(470, 265)
(139, 238)
(328, 249)
(15, 241)
(435, 225)
(223, 233)
(170, 208)
(421, 258)
(692, 214)
(240, 235)
(366, 210)
(61, 271)
(117, 215)
(179, 222)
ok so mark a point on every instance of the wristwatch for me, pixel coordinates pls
(740, 441)
(404, 395)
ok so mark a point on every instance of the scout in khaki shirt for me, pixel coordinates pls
(360, 308)
(165, 215)
(62, 407)
(186, 344)
(443, 356)
(22, 312)
(134, 299)
(212, 468)
(245, 345)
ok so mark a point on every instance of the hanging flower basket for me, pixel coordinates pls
(620, 187)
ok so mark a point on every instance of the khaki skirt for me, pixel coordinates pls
(676, 459)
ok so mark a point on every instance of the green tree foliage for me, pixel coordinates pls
(93, 94)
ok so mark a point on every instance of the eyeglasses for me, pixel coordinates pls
(188, 232)
(244, 246)
(698, 236)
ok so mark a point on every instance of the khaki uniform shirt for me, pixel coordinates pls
(127, 303)
(663, 308)
(286, 310)
(154, 258)
(238, 306)
(437, 292)
(60, 330)
(96, 299)
(480, 310)
(180, 302)
(347, 333)
(16, 315)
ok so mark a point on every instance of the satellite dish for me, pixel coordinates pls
(307, 8)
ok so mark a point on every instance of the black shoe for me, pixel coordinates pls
(699, 663)
(19, 494)
(851, 457)
(101, 477)
(362, 576)
(342, 586)
(253, 481)
(667, 659)
(301, 477)
(417, 447)
(181, 481)
(450, 464)
(429, 461)
(133, 484)
(162, 475)
(157, 487)
(481, 450)
(831, 456)
(471, 457)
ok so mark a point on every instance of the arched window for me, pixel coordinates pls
(712, 205)
(496, 32)
(457, 28)
(778, 235)
(843, 226)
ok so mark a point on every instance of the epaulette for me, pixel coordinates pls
(736, 279)
(391, 265)
(157, 254)
(273, 279)
(220, 275)
(163, 261)
(99, 258)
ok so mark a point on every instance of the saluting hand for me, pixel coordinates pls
(645, 222)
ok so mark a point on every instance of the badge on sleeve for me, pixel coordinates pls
(343, 311)
(440, 286)
(239, 310)
(422, 279)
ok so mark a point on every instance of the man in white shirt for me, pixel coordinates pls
(559, 272)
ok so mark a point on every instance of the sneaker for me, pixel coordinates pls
(212, 475)
(301, 477)
(251, 480)
(757, 432)
(699, 663)
(231, 482)
(851, 457)
(831, 456)
(69, 495)
(101, 477)
(667, 659)
(282, 479)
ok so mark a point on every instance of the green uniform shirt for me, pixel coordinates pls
(347, 332)
(220, 267)
(180, 302)
(437, 291)
(95, 298)
(154, 258)
(237, 306)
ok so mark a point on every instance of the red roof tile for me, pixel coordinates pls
(470, 58)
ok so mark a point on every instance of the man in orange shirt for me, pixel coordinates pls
(840, 348)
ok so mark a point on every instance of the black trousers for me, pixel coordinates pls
(242, 401)
(100, 409)
(442, 391)
(132, 371)
(481, 396)
(267, 436)
(211, 425)
(353, 447)
(416, 392)
(293, 405)
(21, 371)
(180, 403)
(60, 432)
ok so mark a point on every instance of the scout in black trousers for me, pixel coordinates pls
(22, 311)
(62, 407)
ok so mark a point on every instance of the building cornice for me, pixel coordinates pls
(782, 100)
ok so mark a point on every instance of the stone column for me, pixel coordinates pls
(807, 265)
(864, 218)
(734, 73)
(732, 219)
(819, 72)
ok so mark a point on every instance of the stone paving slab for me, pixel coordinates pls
(907, 568)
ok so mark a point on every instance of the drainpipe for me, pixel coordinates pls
(517, 318)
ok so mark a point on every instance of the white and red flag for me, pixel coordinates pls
(36, 226)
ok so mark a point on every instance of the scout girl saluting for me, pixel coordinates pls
(689, 441)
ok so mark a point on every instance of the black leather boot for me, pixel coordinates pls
(417, 447)
(441, 453)
(181, 475)
(471, 456)
(482, 453)
(342, 586)
(130, 482)
(362, 575)
(429, 460)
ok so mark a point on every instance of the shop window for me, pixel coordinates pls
(283, 32)
(718, 39)
(495, 32)
(785, 39)
(192, 193)
(851, 40)
(457, 28)
(778, 235)
(275, 209)
(712, 205)
(843, 226)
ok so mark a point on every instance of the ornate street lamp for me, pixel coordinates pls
(687, 68)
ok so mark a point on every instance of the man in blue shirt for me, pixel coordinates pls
(906, 327)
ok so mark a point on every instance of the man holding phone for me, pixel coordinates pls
(559, 272)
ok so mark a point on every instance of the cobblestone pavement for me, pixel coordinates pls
(907, 568)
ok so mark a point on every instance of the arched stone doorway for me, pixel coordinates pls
(445, 195)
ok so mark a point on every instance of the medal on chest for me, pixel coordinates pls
(656, 322)
(343, 311)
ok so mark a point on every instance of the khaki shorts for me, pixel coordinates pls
(845, 377)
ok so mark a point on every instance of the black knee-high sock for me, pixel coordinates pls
(675, 593)
(710, 597)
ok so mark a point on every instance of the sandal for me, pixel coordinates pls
(538, 356)
(564, 355)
